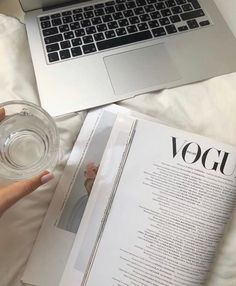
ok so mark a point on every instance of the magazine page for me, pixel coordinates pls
(56, 236)
(175, 196)
(98, 204)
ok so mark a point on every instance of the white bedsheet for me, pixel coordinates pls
(207, 108)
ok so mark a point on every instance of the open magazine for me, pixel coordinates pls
(158, 209)
(56, 236)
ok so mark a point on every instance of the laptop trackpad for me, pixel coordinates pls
(141, 68)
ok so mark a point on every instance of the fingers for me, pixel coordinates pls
(12, 193)
(2, 113)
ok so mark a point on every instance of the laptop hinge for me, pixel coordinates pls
(64, 4)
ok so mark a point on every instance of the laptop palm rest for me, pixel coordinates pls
(140, 69)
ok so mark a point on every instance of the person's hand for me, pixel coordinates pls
(9, 195)
(12, 193)
(2, 113)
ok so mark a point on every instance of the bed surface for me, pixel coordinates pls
(207, 108)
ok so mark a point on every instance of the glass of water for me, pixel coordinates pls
(29, 140)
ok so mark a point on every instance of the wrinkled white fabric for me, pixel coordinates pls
(207, 108)
(20, 225)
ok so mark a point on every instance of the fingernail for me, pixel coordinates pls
(46, 178)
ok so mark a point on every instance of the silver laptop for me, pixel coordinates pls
(90, 53)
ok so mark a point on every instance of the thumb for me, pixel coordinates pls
(12, 193)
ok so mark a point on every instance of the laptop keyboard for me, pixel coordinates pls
(94, 28)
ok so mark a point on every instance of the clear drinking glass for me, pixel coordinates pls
(29, 140)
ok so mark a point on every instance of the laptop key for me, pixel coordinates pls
(193, 24)
(67, 19)
(170, 3)
(87, 39)
(53, 39)
(182, 28)
(155, 15)
(76, 52)
(65, 45)
(176, 10)
(53, 57)
(88, 14)
(64, 54)
(175, 19)
(90, 30)
(124, 40)
(118, 16)
(120, 31)
(130, 5)
(128, 13)
(123, 22)
(141, 2)
(149, 8)
(50, 31)
(164, 21)
(110, 3)
(57, 15)
(79, 33)
(160, 6)
(144, 18)
(98, 37)
(78, 17)
(142, 26)
(180, 2)
(99, 12)
(78, 10)
(195, 4)
(139, 11)
(110, 9)
(101, 27)
(96, 20)
(204, 23)
(166, 12)
(171, 29)
(153, 24)
(69, 35)
(52, 48)
(56, 22)
(85, 23)
(44, 18)
(120, 7)
(64, 28)
(89, 48)
(110, 34)
(132, 29)
(134, 20)
(107, 18)
(75, 26)
(158, 32)
(187, 7)
(112, 25)
(45, 24)
(100, 5)
(76, 42)
(191, 15)
(66, 13)
(88, 8)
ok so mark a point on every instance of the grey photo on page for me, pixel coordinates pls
(75, 205)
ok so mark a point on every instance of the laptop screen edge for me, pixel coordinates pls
(29, 5)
